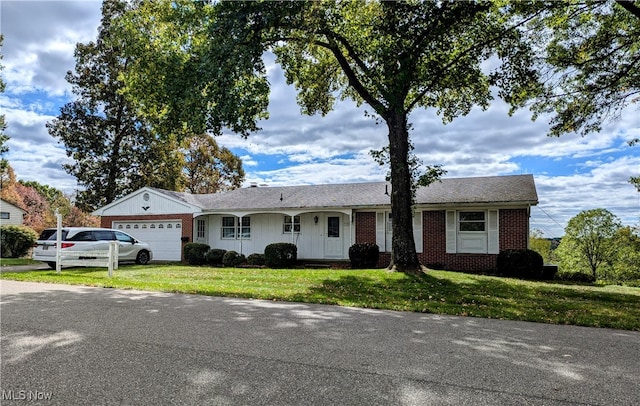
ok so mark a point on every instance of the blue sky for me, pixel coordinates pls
(572, 173)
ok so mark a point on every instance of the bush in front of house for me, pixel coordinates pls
(280, 255)
(255, 259)
(214, 256)
(581, 277)
(233, 259)
(16, 241)
(520, 263)
(364, 255)
(194, 253)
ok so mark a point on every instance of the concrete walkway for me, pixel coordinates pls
(72, 345)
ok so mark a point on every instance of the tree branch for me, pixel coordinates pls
(630, 6)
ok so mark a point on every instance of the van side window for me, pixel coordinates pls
(122, 237)
(103, 235)
(82, 236)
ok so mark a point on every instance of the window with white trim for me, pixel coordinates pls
(471, 221)
(228, 228)
(472, 232)
(200, 228)
(289, 223)
(233, 228)
(245, 230)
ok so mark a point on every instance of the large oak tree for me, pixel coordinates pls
(205, 61)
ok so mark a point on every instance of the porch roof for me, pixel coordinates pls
(515, 189)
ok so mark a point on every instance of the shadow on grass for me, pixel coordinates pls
(491, 297)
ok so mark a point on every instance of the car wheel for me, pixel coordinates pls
(142, 258)
(52, 265)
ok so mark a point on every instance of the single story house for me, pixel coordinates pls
(459, 223)
(10, 214)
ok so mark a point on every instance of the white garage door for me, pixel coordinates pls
(163, 236)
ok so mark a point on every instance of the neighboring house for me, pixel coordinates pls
(10, 214)
(459, 224)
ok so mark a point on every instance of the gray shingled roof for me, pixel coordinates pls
(518, 189)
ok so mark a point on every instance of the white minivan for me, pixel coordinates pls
(90, 239)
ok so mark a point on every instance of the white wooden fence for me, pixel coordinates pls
(99, 258)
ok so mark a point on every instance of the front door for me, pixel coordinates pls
(333, 238)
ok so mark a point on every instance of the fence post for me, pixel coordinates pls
(113, 257)
(58, 241)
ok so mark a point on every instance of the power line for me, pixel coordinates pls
(551, 218)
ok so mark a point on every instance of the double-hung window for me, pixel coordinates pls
(291, 223)
(234, 228)
(472, 231)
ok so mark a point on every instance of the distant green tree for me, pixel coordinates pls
(589, 243)
(209, 168)
(627, 261)
(541, 245)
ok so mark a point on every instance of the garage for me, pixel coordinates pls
(162, 235)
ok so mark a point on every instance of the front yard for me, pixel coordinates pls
(437, 292)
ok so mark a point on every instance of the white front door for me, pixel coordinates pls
(333, 237)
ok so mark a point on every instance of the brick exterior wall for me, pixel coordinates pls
(514, 229)
(513, 234)
(187, 222)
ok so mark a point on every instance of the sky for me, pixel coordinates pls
(572, 173)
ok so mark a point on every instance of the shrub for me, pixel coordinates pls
(16, 241)
(214, 256)
(194, 253)
(255, 259)
(520, 263)
(280, 255)
(232, 258)
(364, 255)
(576, 277)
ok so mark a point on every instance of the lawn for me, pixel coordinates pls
(17, 261)
(437, 292)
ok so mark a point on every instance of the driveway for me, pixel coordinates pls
(66, 345)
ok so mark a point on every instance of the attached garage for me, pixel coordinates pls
(163, 236)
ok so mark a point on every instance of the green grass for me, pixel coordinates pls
(17, 261)
(438, 292)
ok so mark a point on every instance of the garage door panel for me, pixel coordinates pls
(163, 236)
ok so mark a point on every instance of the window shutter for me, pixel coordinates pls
(451, 231)
(492, 236)
(380, 231)
(417, 230)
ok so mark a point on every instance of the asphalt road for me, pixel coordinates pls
(65, 345)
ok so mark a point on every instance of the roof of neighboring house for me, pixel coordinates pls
(518, 189)
(4, 202)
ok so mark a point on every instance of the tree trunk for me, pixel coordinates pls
(403, 256)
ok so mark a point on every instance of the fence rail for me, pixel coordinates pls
(98, 258)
